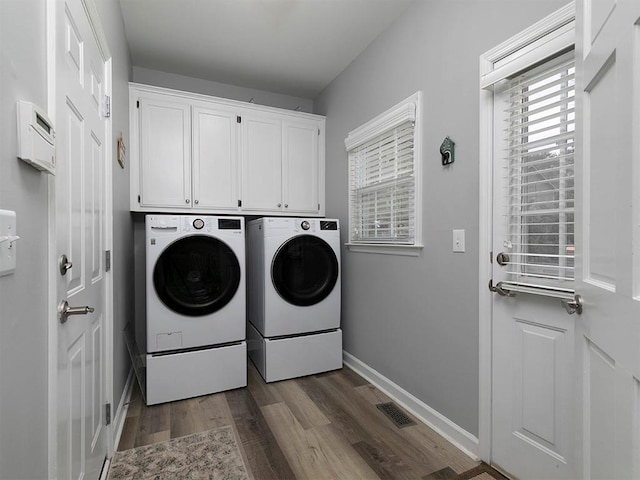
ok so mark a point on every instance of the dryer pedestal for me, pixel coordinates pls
(281, 358)
(180, 375)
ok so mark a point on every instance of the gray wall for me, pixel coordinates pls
(122, 254)
(206, 87)
(23, 295)
(415, 320)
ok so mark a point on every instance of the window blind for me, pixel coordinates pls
(539, 165)
(382, 187)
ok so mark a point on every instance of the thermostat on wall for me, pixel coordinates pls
(36, 137)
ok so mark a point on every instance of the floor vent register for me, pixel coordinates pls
(395, 414)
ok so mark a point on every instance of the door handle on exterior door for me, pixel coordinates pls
(573, 306)
(65, 310)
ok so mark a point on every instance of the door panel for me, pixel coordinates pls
(80, 234)
(532, 388)
(600, 254)
(607, 170)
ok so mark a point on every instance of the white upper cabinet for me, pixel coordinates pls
(215, 147)
(165, 144)
(194, 153)
(301, 167)
(261, 163)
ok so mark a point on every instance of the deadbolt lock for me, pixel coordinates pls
(502, 258)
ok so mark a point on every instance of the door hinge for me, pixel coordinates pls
(107, 260)
(318, 131)
(107, 106)
(107, 414)
(491, 256)
(138, 198)
(239, 119)
(318, 207)
(239, 203)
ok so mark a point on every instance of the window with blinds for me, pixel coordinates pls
(382, 178)
(540, 175)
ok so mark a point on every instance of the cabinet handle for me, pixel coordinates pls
(279, 205)
(196, 202)
(187, 200)
(286, 205)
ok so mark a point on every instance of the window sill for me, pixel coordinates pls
(385, 249)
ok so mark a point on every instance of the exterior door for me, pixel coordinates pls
(608, 275)
(80, 226)
(533, 336)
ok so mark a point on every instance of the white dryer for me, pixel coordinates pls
(195, 306)
(294, 296)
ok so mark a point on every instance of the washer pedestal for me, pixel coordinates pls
(281, 358)
(176, 376)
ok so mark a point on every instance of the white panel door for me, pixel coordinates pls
(261, 163)
(165, 152)
(533, 367)
(215, 158)
(608, 210)
(80, 226)
(300, 166)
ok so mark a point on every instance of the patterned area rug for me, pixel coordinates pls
(481, 472)
(211, 455)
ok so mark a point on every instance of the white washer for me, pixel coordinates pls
(196, 294)
(195, 306)
(294, 293)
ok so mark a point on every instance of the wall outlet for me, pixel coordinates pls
(458, 241)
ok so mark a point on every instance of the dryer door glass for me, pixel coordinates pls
(196, 275)
(304, 270)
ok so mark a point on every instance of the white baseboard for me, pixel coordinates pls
(123, 406)
(462, 439)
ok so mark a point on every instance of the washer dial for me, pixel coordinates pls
(198, 224)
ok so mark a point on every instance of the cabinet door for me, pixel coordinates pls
(215, 167)
(165, 163)
(300, 166)
(261, 163)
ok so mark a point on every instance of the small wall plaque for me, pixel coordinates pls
(447, 150)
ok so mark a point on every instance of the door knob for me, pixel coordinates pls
(65, 310)
(64, 264)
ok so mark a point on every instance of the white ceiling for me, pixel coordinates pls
(293, 47)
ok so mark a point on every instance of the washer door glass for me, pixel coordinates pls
(304, 270)
(196, 275)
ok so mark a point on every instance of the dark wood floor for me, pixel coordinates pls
(316, 427)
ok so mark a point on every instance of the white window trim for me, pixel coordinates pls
(551, 35)
(408, 109)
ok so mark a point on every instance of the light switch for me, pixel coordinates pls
(8, 242)
(458, 241)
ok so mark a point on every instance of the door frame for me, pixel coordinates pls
(91, 11)
(555, 39)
